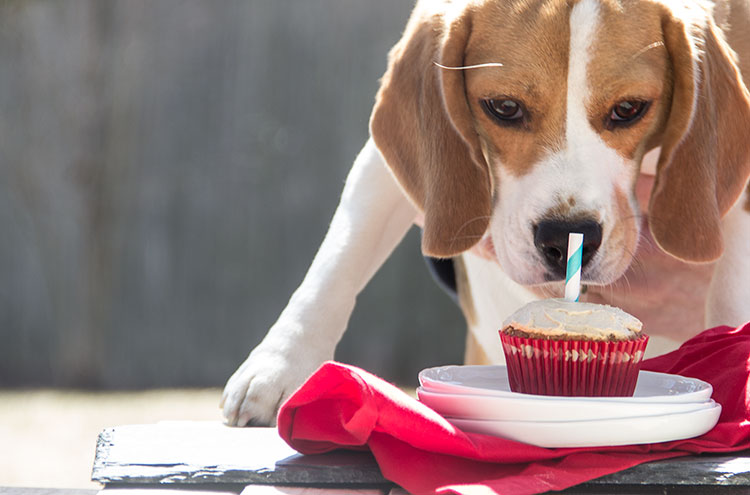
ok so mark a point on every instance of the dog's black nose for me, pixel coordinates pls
(551, 240)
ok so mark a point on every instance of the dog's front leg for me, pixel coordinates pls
(728, 301)
(371, 219)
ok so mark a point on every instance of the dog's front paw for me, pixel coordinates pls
(255, 391)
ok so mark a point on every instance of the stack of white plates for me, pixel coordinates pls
(478, 399)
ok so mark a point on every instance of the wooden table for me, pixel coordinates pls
(208, 457)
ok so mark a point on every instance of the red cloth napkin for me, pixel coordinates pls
(341, 406)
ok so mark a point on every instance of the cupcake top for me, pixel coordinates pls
(560, 319)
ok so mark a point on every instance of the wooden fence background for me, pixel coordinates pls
(167, 171)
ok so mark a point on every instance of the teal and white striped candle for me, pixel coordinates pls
(573, 273)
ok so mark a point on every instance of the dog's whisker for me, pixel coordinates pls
(626, 280)
(550, 291)
(657, 221)
(460, 237)
(638, 268)
(465, 67)
(475, 219)
(457, 237)
(643, 50)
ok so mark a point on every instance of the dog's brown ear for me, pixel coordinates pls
(705, 157)
(423, 126)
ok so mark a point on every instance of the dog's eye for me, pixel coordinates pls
(627, 112)
(505, 110)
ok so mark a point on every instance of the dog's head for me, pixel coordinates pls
(525, 120)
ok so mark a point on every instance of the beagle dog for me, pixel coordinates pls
(500, 126)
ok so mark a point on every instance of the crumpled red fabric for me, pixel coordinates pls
(341, 406)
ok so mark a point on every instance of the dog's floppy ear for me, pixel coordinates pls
(705, 157)
(423, 126)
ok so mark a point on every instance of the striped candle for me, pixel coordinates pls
(573, 273)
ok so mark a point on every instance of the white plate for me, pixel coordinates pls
(524, 407)
(493, 380)
(605, 432)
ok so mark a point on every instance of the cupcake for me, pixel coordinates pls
(558, 347)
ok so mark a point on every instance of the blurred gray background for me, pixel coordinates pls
(167, 171)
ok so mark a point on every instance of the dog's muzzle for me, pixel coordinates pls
(551, 240)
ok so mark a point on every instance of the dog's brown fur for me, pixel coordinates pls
(428, 124)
